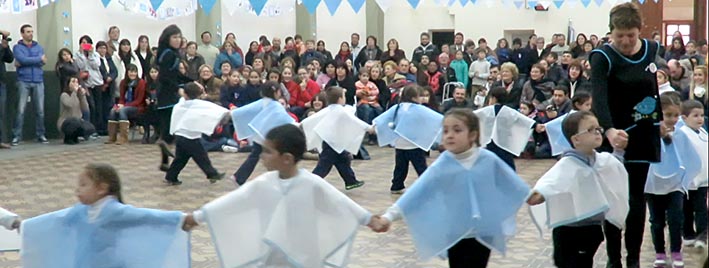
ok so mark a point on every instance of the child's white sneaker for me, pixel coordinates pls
(688, 242)
(700, 244)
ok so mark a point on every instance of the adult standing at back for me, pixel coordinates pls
(208, 51)
(426, 48)
(170, 79)
(112, 44)
(29, 59)
(626, 102)
(5, 57)
(561, 45)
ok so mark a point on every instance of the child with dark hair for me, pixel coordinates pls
(322, 232)
(695, 208)
(190, 119)
(137, 237)
(579, 192)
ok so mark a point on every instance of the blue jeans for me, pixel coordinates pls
(24, 89)
(368, 112)
(3, 101)
(123, 114)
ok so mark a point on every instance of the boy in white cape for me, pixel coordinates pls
(579, 192)
(287, 217)
(9, 239)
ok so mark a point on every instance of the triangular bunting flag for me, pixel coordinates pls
(585, 3)
(450, 3)
(311, 5)
(474, 2)
(207, 5)
(531, 3)
(558, 3)
(105, 2)
(332, 6)
(545, 4)
(385, 4)
(156, 4)
(463, 2)
(356, 5)
(258, 6)
(518, 4)
(598, 2)
(414, 3)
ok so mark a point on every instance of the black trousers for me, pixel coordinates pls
(695, 215)
(634, 223)
(244, 172)
(506, 156)
(574, 247)
(417, 157)
(74, 127)
(341, 161)
(165, 115)
(184, 150)
(99, 106)
(468, 253)
(666, 210)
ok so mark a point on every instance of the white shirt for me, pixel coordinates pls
(96, 207)
(7, 218)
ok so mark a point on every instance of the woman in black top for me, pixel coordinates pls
(321, 48)
(144, 55)
(626, 102)
(253, 50)
(170, 79)
(509, 79)
(343, 79)
(66, 67)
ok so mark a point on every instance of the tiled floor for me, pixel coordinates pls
(36, 179)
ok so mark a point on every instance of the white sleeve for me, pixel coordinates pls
(198, 216)
(7, 218)
(393, 213)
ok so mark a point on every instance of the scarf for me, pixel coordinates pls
(129, 92)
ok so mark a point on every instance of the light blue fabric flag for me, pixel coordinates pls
(519, 4)
(258, 5)
(311, 5)
(121, 236)
(558, 3)
(413, 3)
(207, 5)
(332, 6)
(253, 121)
(105, 2)
(485, 201)
(558, 142)
(531, 3)
(679, 164)
(356, 5)
(599, 2)
(585, 2)
(412, 122)
(156, 4)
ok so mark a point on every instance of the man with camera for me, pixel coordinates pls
(6, 56)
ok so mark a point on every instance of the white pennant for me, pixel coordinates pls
(384, 5)
(545, 4)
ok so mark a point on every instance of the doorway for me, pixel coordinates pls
(440, 37)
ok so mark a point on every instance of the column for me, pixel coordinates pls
(375, 23)
(211, 22)
(305, 23)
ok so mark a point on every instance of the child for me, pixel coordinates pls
(151, 116)
(316, 104)
(253, 121)
(581, 191)
(411, 129)
(461, 69)
(368, 107)
(191, 118)
(335, 144)
(581, 102)
(473, 181)
(667, 182)
(504, 131)
(320, 234)
(695, 209)
(102, 231)
(479, 71)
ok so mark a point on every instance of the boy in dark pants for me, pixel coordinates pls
(581, 191)
(189, 120)
(329, 157)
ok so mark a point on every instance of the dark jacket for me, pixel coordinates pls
(113, 71)
(6, 56)
(238, 96)
(514, 93)
(364, 56)
(170, 78)
(193, 66)
(145, 63)
(581, 84)
(398, 55)
(429, 50)
(349, 84)
(311, 55)
(451, 103)
(64, 71)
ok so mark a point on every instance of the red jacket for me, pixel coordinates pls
(139, 95)
(298, 97)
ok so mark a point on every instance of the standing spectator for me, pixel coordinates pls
(194, 60)
(626, 102)
(355, 48)
(457, 43)
(101, 100)
(145, 58)
(560, 46)
(479, 71)
(469, 53)
(369, 52)
(207, 49)
(66, 67)
(393, 52)
(321, 48)
(5, 57)
(503, 52)
(344, 54)
(29, 59)
(426, 48)
(228, 54)
(114, 34)
(89, 64)
(461, 68)
(677, 50)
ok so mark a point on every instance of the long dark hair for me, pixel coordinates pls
(131, 68)
(164, 40)
(125, 56)
(137, 47)
(60, 61)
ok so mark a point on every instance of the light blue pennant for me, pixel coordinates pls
(105, 2)
(558, 3)
(414, 3)
(258, 6)
(332, 5)
(356, 5)
(207, 5)
(311, 5)
(156, 4)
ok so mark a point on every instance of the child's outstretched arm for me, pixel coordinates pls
(535, 199)
(190, 222)
(9, 220)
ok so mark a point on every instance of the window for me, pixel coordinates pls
(683, 27)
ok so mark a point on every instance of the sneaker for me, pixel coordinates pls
(173, 183)
(229, 149)
(15, 141)
(42, 139)
(688, 242)
(700, 244)
(94, 136)
(677, 261)
(398, 191)
(217, 177)
(660, 260)
(353, 186)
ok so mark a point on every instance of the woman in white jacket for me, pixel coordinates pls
(123, 58)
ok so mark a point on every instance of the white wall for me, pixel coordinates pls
(12, 24)
(248, 27)
(333, 29)
(91, 18)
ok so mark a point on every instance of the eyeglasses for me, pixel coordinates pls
(595, 130)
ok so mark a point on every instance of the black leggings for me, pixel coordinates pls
(468, 253)
(165, 116)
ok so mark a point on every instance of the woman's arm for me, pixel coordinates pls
(599, 84)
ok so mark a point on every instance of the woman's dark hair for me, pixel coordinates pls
(105, 173)
(274, 71)
(529, 105)
(87, 38)
(193, 90)
(149, 79)
(141, 38)
(164, 40)
(681, 49)
(329, 63)
(580, 97)
(131, 68)
(125, 56)
(342, 65)
(499, 93)
(59, 58)
(65, 86)
(269, 90)
(411, 93)
(469, 119)
(251, 44)
(101, 44)
(288, 139)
